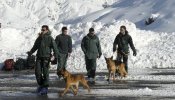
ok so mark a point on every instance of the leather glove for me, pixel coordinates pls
(69, 54)
(99, 55)
(29, 53)
(134, 53)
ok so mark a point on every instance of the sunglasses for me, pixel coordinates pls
(43, 30)
(65, 31)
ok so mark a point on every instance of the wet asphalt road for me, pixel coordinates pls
(22, 85)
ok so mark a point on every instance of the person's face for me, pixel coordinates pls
(122, 30)
(65, 32)
(92, 33)
(43, 29)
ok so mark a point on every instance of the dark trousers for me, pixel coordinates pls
(62, 61)
(42, 72)
(90, 67)
(125, 60)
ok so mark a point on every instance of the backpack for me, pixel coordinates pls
(31, 62)
(20, 64)
(8, 64)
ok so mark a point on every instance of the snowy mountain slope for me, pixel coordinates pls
(21, 21)
(136, 11)
(33, 13)
(24, 14)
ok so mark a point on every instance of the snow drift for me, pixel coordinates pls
(21, 21)
(154, 49)
(136, 11)
(24, 14)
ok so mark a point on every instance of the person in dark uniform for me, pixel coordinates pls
(121, 44)
(64, 45)
(44, 45)
(92, 49)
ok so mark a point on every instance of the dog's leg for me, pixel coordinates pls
(84, 82)
(121, 73)
(65, 90)
(125, 74)
(76, 88)
(113, 76)
(73, 89)
(88, 88)
(109, 76)
(121, 76)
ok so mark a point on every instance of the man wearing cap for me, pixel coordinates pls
(91, 47)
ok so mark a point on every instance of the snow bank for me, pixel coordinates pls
(136, 11)
(23, 14)
(155, 50)
(21, 21)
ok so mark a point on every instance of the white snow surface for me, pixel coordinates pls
(21, 21)
(140, 83)
(136, 11)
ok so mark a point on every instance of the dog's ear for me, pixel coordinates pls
(59, 73)
(64, 69)
(111, 58)
(105, 58)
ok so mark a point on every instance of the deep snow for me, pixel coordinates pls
(136, 11)
(21, 20)
(155, 50)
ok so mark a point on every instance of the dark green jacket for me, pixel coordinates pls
(44, 45)
(91, 46)
(64, 43)
(122, 41)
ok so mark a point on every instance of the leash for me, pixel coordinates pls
(126, 54)
(122, 53)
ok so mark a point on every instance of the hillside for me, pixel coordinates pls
(21, 21)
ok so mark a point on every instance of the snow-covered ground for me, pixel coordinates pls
(21, 21)
(142, 84)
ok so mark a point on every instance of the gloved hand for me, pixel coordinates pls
(69, 54)
(99, 55)
(134, 53)
(29, 53)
